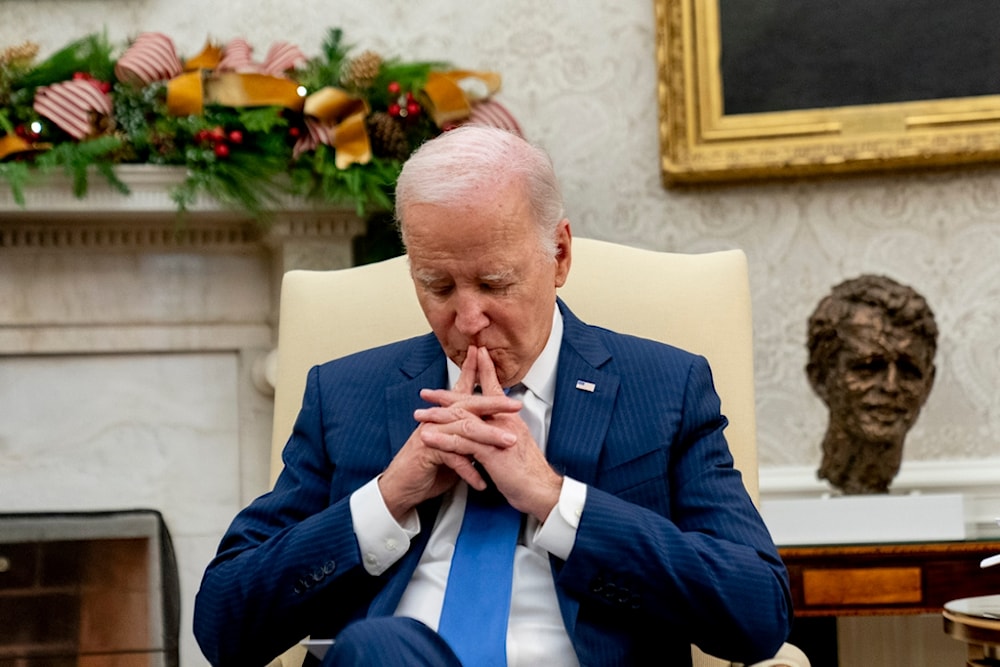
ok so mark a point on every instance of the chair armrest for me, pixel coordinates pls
(293, 657)
(788, 656)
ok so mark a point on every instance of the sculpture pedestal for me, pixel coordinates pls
(874, 519)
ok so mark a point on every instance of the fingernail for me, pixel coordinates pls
(509, 438)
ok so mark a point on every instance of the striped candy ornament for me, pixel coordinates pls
(73, 105)
(494, 114)
(282, 57)
(490, 114)
(151, 57)
(316, 134)
(238, 57)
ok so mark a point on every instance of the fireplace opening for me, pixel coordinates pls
(88, 589)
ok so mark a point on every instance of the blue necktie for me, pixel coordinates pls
(477, 598)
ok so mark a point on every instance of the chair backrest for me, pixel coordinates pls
(700, 302)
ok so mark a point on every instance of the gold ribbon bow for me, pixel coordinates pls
(343, 116)
(449, 96)
(188, 93)
(12, 144)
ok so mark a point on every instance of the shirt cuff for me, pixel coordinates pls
(558, 533)
(381, 538)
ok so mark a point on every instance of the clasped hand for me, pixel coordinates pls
(463, 427)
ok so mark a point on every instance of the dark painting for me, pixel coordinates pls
(782, 55)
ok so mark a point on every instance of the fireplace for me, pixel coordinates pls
(135, 351)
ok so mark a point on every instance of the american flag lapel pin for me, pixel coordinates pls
(583, 385)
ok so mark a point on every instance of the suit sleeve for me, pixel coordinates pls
(288, 561)
(704, 567)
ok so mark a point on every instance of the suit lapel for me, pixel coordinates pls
(424, 368)
(584, 401)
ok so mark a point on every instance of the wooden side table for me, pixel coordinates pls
(887, 579)
(976, 621)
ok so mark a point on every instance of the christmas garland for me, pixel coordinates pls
(334, 128)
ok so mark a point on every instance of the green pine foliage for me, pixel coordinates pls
(243, 158)
(77, 158)
(92, 55)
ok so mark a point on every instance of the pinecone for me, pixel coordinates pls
(361, 71)
(22, 54)
(387, 136)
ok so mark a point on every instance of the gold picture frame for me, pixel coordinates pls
(700, 143)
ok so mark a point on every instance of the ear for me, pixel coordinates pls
(564, 251)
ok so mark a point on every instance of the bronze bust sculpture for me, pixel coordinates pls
(871, 360)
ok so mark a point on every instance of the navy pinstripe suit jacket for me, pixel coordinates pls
(670, 550)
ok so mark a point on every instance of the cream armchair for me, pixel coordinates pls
(698, 302)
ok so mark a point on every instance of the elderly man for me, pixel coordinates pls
(871, 360)
(632, 534)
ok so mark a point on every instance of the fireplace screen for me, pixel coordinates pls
(88, 590)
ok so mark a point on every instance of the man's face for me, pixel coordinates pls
(880, 380)
(482, 278)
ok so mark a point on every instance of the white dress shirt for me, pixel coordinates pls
(535, 632)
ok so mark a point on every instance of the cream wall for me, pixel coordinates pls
(583, 84)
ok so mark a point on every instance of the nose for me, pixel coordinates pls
(470, 313)
(890, 378)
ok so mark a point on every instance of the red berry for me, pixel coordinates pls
(393, 88)
(201, 136)
(294, 132)
(394, 109)
(79, 76)
(236, 137)
(412, 109)
(221, 150)
(217, 133)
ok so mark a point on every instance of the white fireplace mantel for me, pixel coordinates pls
(54, 235)
(307, 235)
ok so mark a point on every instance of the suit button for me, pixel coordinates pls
(329, 567)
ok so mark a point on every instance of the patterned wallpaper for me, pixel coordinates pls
(581, 79)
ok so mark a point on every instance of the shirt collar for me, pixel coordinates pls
(541, 377)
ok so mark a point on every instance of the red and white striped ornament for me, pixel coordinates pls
(282, 57)
(72, 106)
(491, 114)
(316, 134)
(238, 57)
(151, 57)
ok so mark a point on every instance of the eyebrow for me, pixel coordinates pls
(429, 277)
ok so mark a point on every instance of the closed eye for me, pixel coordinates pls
(495, 288)
(440, 290)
